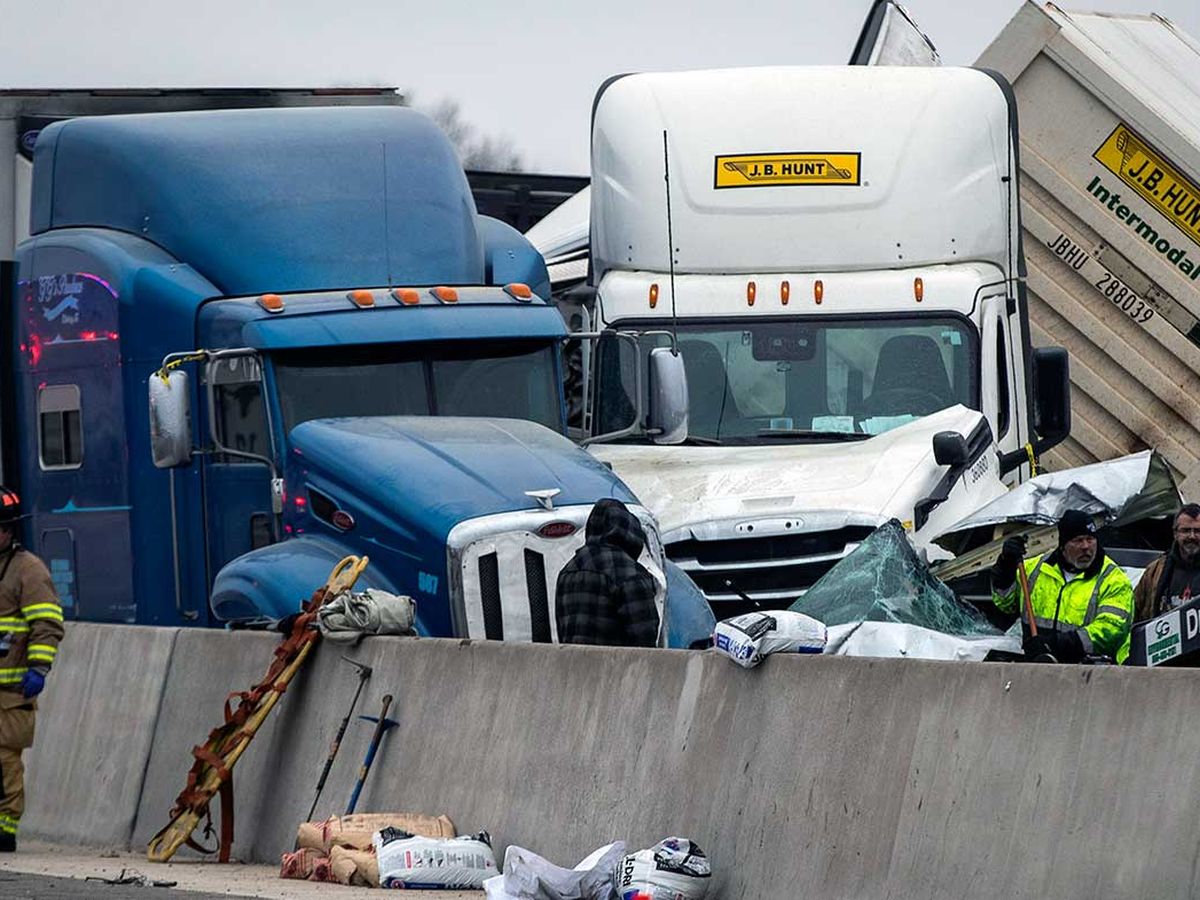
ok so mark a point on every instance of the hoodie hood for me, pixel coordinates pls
(611, 522)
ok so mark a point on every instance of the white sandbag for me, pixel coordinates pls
(747, 638)
(673, 869)
(461, 863)
(528, 876)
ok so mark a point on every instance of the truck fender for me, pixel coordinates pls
(273, 581)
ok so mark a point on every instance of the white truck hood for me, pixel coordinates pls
(864, 482)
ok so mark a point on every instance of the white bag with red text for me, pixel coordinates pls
(673, 869)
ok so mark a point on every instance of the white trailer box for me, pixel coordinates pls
(1110, 191)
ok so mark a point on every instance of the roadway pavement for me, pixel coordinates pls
(40, 871)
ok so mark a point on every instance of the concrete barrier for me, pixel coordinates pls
(821, 777)
(95, 726)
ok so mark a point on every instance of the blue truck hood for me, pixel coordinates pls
(433, 472)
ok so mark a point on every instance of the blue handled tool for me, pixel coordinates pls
(382, 724)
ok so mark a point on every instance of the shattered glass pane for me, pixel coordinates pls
(885, 581)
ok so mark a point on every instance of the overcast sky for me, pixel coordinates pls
(525, 69)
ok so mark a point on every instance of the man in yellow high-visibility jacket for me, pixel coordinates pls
(1082, 600)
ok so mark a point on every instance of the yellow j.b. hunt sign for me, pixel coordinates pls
(1162, 185)
(780, 169)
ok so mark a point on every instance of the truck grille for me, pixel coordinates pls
(503, 573)
(771, 570)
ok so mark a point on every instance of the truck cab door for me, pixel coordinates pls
(998, 384)
(238, 474)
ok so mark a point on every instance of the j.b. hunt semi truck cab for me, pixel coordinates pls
(379, 375)
(845, 279)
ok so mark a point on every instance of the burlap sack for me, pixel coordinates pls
(359, 868)
(299, 864)
(356, 831)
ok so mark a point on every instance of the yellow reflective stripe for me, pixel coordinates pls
(42, 649)
(8, 825)
(43, 611)
(26, 610)
(12, 676)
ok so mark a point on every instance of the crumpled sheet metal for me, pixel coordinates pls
(884, 580)
(1121, 490)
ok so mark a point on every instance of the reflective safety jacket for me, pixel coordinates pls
(31, 621)
(1097, 604)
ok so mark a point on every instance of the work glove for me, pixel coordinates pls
(1043, 644)
(1070, 647)
(33, 683)
(1004, 571)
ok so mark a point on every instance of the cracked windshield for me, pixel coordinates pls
(771, 381)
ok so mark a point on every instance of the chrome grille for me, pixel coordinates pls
(771, 571)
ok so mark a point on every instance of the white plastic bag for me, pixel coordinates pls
(747, 638)
(528, 876)
(406, 861)
(673, 869)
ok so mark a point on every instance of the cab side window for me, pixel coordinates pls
(241, 417)
(60, 426)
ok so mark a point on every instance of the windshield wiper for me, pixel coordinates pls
(806, 435)
(698, 441)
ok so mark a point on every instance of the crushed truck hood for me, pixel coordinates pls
(686, 486)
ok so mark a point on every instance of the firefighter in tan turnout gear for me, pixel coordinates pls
(31, 625)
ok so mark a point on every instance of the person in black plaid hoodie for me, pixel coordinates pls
(604, 595)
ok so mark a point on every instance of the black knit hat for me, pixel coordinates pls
(1074, 522)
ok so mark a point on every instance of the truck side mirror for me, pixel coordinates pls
(170, 419)
(950, 449)
(667, 419)
(1051, 397)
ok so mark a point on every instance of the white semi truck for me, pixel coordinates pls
(839, 255)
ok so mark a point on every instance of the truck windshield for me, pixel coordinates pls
(516, 380)
(801, 379)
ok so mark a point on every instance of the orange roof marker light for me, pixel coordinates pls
(818, 291)
(445, 294)
(272, 303)
(653, 296)
(919, 289)
(519, 291)
(751, 290)
(362, 299)
(407, 296)
(785, 291)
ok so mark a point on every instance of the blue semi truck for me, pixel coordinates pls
(340, 355)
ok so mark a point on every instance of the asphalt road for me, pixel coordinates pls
(20, 886)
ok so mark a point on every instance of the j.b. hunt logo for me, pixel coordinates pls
(785, 169)
(1154, 178)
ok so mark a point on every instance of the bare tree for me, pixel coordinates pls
(486, 152)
